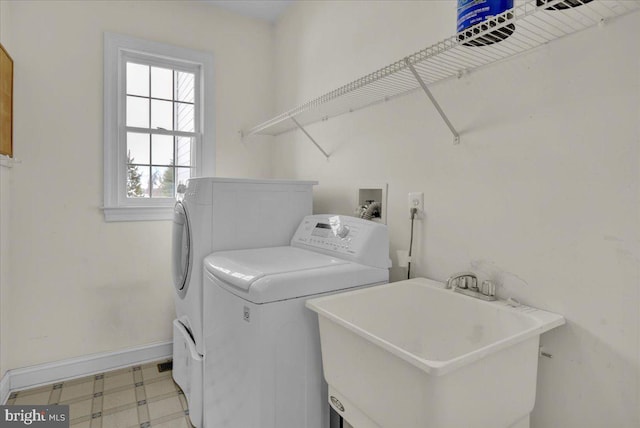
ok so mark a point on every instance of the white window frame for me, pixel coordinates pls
(118, 49)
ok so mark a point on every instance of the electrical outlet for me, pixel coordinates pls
(416, 200)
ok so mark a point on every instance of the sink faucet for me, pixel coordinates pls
(467, 283)
(464, 280)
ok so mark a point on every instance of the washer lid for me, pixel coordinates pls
(241, 268)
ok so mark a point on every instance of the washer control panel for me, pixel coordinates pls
(351, 238)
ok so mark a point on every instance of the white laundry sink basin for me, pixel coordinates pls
(412, 354)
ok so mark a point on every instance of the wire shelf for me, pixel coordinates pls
(534, 26)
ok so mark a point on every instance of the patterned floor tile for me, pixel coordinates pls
(77, 390)
(134, 397)
(164, 407)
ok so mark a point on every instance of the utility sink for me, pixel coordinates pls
(412, 354)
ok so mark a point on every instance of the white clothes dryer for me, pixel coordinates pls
(222, 214)
(263, 366)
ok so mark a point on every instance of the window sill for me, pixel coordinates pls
(137, 213)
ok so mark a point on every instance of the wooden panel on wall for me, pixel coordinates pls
(6, 103)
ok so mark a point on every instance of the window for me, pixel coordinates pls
(155, 135)
(161, 115)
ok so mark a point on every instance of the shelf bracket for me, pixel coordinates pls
(456, 136)
(309, 137)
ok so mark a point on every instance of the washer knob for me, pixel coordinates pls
(342, 231)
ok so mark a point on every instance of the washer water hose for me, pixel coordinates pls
(369, 210)
(373, 210)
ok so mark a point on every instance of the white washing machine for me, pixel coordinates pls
(263, 365)
(222, 214)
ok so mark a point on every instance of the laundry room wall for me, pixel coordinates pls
(541, 195)
(5, 177)
(78, 285)
(5, 200)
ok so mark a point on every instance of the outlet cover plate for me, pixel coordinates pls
(416, 200)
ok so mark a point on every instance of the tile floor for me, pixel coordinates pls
(135, 397)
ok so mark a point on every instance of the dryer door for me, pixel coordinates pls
(181, 242)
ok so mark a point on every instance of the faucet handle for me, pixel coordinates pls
(463, 280)
(488, 288)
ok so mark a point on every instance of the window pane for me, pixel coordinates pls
(137, 79)
(137, 112)
(183, 151)
(162, 150)
(137, 181)
(162, 178)
(161, 83)
(184, 87)
(161, 115)
(182, 175)
(184, 117)
(138, 148)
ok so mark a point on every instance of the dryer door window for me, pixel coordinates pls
(181, 242)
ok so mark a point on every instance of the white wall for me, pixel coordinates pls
(541, 195)
(78, 285)
(5, 176)
(5, 200)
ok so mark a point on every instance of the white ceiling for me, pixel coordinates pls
(268, 10)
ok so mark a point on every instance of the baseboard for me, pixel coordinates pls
(58, 371)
